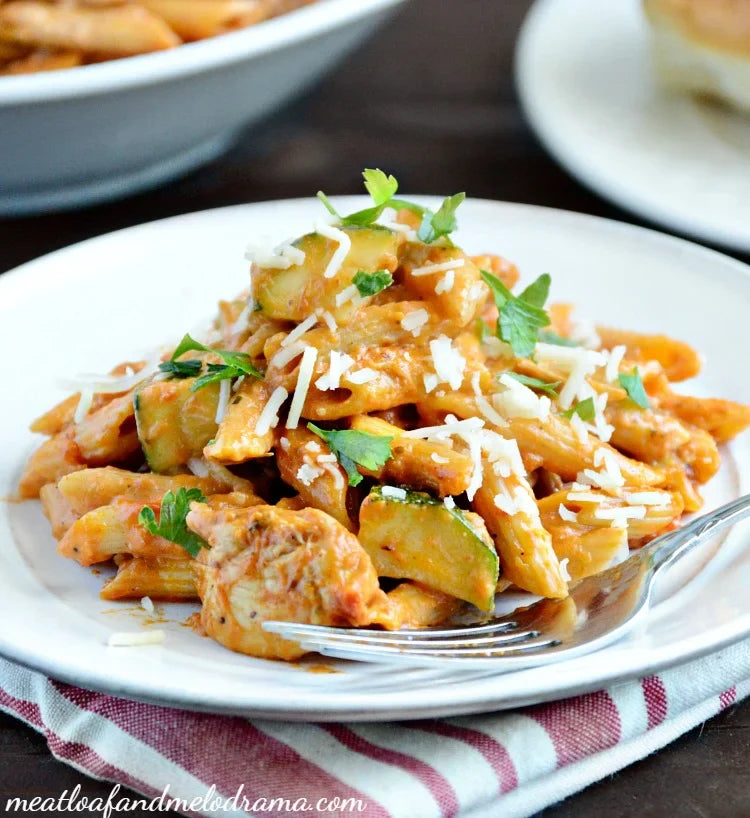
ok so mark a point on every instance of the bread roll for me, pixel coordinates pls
(703, 47)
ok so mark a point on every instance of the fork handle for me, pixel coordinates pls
(668, 549)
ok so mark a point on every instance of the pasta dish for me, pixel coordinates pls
(381, 431)
(46, 35)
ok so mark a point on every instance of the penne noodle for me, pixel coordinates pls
(680, 360)
(162, 578)
(236, 440)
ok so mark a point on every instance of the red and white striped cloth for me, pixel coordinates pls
(508, 764)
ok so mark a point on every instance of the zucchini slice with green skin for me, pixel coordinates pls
(417, 537)
(293, 294)
(174, 424)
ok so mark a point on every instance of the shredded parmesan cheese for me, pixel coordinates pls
(269, 417)
(439, 459)
(393, 491)
(360, 376)
(147, 604)
(614, 360)
(445, 285)
(518, 401)
(647, 498)
(300, 330)
(125, 639)
(414, 321)
(84, 405)
(285, 444)
(449, 364)
(449, 502)
(281, 257)
(344, 245)
(225, 391)
(438, 268)
(286, 355)
(566, 514)
(430, 382)
(621, 514)
(564, 569)
(306, 368)
(328, 320)
(307, 473)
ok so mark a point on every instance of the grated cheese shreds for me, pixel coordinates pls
(584, 333)
(473, 441)
(446, 430)
(360, 376)
(515, 501)
(430, 382)
(242, 321)
(339, 363)
(350, 293)
(518, 401)
(344, 245)
(335, 472)
(286, 355)
(84, 405)
(580, 428)
(112, 384)
(564, 569)
(307, 473)
(393, 491)
(306, 368)
(566, 514)
(414, 321)
(449, 364)
(127, 639)
(300, 330)
(439, 459)
(147, 604)
(269, 417)
(198, 466)
(617, 514)
(285, 444)
(280, 257)
(647, 498)
(489, 412)
(445, 285)
(449, 502)
(612, 370)
(585, 497)
(411, 235)
(328, 320)
(238, 383)
(225, 391)
(429, 269)
(503, 454)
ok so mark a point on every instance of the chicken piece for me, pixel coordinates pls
(274, 563)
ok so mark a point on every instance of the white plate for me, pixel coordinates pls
(88, 306)
(585, 78)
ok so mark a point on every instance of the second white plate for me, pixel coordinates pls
(112, 298)
(586, 81)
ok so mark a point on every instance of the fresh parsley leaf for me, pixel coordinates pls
(534, 383)
(633, 385)
(548, 337)
(520, 317)
(585, 409)
(172, 526)
(437, 225)
(235, 364)
(182, 369)
(383, 188)
(353, 447)
(482, 329)
(372, 283)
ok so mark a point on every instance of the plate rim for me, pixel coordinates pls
(610, 188)
(380, 707)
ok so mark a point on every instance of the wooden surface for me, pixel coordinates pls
(430, 99)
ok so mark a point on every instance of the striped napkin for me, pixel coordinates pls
(509, 764)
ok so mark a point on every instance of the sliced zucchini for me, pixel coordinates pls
(417, 537)
(174, 424)
(293, 294)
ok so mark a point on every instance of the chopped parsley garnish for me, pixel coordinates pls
(182, 369)
(372, 283)
(633, 385)
(520, 316)
(383, 188)
(548, 337)
(535, 383)
(172, 526)
(482, 329)
(353, 447)
(236, 364)
(585, 409)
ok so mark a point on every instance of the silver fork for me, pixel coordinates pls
(599, 610)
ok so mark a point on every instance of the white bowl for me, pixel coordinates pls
(101, 131)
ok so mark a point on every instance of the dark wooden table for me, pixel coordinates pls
(430, 99)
